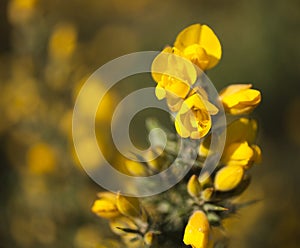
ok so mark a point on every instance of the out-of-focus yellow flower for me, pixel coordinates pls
(241, 153)
(21, 10)
(197, 230)
(63, 41)
(136, 169)
(41, 158)
(194, 117)
(229, 177)
(194, 186)
(129, 206)
(199, 44)
(106, 207)
(240, 98)
(174, 75)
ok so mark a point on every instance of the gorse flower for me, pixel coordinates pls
(240, 99)
(199, 44)
(106, 205)
(200, 201)
(194, 117)
(196, 231)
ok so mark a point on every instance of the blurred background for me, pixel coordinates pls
(49, 48)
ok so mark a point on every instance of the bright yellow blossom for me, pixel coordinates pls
(241, 153)
(197, 230)
(106, 207)
(173, 73)
(228, 178)
(240, 98)
(199, 44)
(194, 117)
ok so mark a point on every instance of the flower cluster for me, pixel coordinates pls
(200, 202)
(127, 218)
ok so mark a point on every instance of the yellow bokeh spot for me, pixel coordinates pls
(63, 41)
(41, 158)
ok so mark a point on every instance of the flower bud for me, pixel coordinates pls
(135, 168)
(106, 207)
(197, 230)
(241, 153)
(129, 206)
(228, 177)
(207, 193)
(193, 186)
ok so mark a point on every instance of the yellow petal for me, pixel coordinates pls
(180, 128)
(160, 92)
(257, 154)
(231, 89)
(197, 230)
(240, 99)
(228, 178)
(178, 88)
(105, 208)
(170, 64)
(129, 206)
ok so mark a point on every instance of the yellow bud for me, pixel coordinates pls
(129, 206)
(241, 153)
(135, 168)
(105, 207)
(205, 180)
(257, 158)
(155, 163)
(228, 177)
(148, 238)
(197, 230)
(207, 194)
(193, 186)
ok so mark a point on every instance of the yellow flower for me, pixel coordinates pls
(229, 177)
(199, 44)
(240, 98)
(194, 117)
(136, 169)
(106, 207)
(173, 73)
(194, 186)
(241, 153)
(197, 230)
